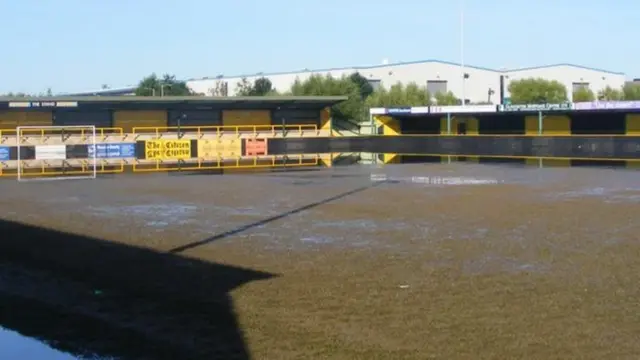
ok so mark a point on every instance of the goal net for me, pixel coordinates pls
(56, 152)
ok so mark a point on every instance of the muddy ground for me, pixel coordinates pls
(518, 263)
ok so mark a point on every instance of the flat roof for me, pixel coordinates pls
(266, 102)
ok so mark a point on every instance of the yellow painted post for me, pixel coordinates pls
(326, 121)
(632, 124)
(556, 125)
(531, 125)
(390, 127)
(553, 125)
(473, 129)
(448, 126)
(633, 164)
(326, 127)
(326, 160)
(632, 127)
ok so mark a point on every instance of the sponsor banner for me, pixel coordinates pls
(396, 111)
(537, 107)
(220, 148)
(42, 104)
(420, 110)
(51, 152)
(463, 109)
(167, 149)
(5, 153)
(112, 150)
(378, 111)
(400, 110)
(604, 105)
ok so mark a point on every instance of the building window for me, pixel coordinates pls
(577, 86)
(436, 86)
(375, 84)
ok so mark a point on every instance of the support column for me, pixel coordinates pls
(632, 127)
(548, 125)
(390, 127)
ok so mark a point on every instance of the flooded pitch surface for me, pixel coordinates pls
(418, 261)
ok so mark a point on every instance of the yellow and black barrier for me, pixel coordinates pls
(184, 149)
(212, 154)
(163, 150)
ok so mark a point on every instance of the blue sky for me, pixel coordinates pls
(77, 45)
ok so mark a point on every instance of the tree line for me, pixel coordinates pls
(541, 91)
(46, 93)
(362, 96)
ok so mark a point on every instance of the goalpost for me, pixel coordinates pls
(49, 145)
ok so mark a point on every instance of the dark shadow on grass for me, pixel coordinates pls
(250, 226)
(91, 297)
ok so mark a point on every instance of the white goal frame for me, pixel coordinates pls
(94, 158)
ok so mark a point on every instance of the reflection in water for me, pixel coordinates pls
(16, 346)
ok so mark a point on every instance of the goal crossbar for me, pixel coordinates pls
(92, 155)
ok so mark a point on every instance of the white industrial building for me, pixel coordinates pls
(480, 84)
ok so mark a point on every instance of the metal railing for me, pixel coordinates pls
(45, 132)
(44, 169)
(221, 163)
(228, 130)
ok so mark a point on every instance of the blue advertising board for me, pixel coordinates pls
(4, 153)
(112, 151)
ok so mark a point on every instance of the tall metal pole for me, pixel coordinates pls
(462, 51)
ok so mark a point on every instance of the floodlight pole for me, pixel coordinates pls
(462, 68)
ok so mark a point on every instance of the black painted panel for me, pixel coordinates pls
(99, 119)
(590, 123)
(26, 153)
(295, 116)
(77, 151)
(506, 124)
(597, 147)
(523, 146)
(141, 147)
(204, 117)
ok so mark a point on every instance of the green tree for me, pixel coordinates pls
(260, 87)
(363, 84)
(447, 98)
(152, 85)
(399, 95)
(244, 87)
(583, 94)
(611, 94)
(537, 91)
(631, 91)
(318, 85)
(220, 88)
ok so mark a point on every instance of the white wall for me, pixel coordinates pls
(567, 75)
(281, 82)
(476, 86)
